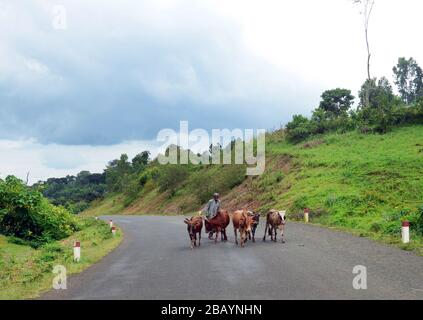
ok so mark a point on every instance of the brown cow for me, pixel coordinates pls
(194, 226)
(218, 224)
(275, 220)
(243, 222)
(256, 220)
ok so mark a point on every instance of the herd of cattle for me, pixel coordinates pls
(245, 222)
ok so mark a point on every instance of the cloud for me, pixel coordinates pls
(72, 99)
(124, 71)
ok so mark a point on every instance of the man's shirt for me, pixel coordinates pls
(212, 208)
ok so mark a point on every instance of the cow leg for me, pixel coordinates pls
(192, 243)
(275, 239)
(265, 231)
(206, 227)
(254, 234)
(242, 236)
(236, 237)
(217, 235)
(195, 239)
(199, 238)
(224, 235)
(283, 234)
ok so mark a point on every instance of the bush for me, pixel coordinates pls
(300, 203)
(379, 111)
(298, 129)
(206, 182)
(171, 177)
(26, 214)
(77, 207)
(416, 220)
(392, 222)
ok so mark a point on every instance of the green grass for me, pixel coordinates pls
(26, 272)
(365, 184)
(113, 204)
(355, 175)
(362, 183)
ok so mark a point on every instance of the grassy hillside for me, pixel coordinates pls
(364, 183)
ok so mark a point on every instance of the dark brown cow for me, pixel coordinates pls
(275, 220)
(219, 224)
(256, 220)
(243, 222)
(194, 226)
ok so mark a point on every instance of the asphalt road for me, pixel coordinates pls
(155, 262)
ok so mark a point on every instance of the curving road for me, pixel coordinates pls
(155, 262)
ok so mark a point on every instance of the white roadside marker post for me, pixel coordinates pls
(96, 218)
(405, 232)
(77, 251)
(306, 212)
(111, 223)
(114, 230)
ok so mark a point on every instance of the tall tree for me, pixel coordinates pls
(366, 9)
(336, 102)
(376, 93)
(141, 160)
(116, 171)
(409, 79)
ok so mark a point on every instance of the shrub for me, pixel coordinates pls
(205, 182)
(76, 207)
(300, 203)
(171, 177)
(379, 111)
(416, 220)
(26, 214)
(298, 129)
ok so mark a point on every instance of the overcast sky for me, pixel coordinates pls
(72, 99)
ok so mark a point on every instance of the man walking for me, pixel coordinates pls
(212, 207)
(211, 210)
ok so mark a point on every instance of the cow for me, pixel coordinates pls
(256, 220)
(243, 222)
(275, 220)
(219, 224)
(194, 226)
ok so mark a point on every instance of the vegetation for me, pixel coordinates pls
(366, 9)
(364, 183)
(367, 183)
(76, 193)
(25, 272)
(35, 235)
(73, 193)
(27, 215)
(379, 109)
(409, 79)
